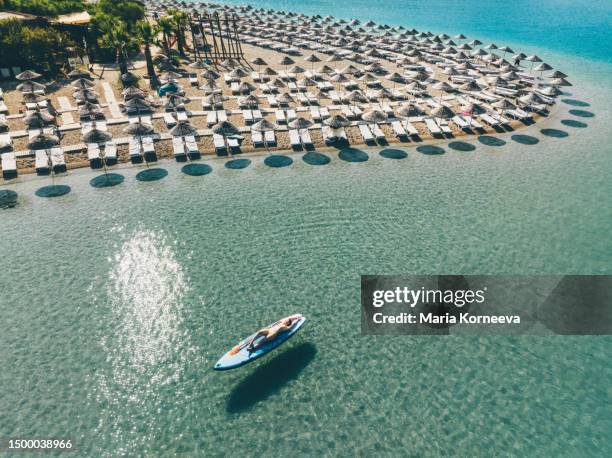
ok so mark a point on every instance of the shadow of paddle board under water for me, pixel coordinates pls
(270, 378)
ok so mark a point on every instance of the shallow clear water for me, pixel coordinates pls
(116, 302)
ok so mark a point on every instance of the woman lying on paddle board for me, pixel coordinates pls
(262, 342)
(270, 332)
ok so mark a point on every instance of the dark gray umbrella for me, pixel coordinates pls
(96, 136)
(27, 75)
(374, 116)
(225, 128)
(43, 141)
(337, 121)
(183, 129)
(139, 129)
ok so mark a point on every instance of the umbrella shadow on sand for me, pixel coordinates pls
(269, 378)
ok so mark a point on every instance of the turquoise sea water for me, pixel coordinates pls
(116, 302)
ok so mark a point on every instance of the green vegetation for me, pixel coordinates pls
(49, 8)
(40, 48)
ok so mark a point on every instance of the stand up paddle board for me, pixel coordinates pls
(240, 355)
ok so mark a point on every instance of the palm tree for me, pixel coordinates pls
(166, 27)
(116, 36)
(147, 35)
(180, 22)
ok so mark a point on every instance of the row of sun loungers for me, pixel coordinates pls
(300, 139)
(142, 148)
(51, 159)
(184, 147)
(263, 138)
(98, 156)
(216, 116)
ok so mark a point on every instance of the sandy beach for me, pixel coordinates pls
(60, 94)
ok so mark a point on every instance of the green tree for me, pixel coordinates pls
(116, 36)
(180, 22)
(147, 36)
(127, 11)
(166, 26)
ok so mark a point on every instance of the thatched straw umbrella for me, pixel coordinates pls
(313, 59)
(30, 86)
(286, 61)
(259, 62)
(28, 75)
(210, 75)
(38, 119)
(264, 126)
(374, 116)
(183, 129)
(443, 112)
(82, 83)
(91, 110)
(138, 129)
(43, 141)
(129, 79)
(96, 136)
(133, 92)
(249, 101)
(409, 110)
(238, 72)
(78, 74)
(225, 129)
(300, 124)
(337, 121)
(86, 95)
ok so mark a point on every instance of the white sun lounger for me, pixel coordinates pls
(257, 138)
(432, 126)
(181, 116)
(489, 120)
(270, 137)
(257, 116)
(248, 116)
(399, 130)
(211, 118)
(315, 114)
(460, 122)
(169, 120)
(9, 166)
(179, 150)
(193, 79)
(219, 143)
(291, 115)
(340, 133)
(294, 138)
(41, 162)
(413, 131)
(148, 148)
(272, 101)
(280, 117)
(306, 139)
(233, 143)
(366, 133)
(235, 88)
(93, 155)
(443, 124)
(324, 111)
(5, 140)
(192, 147)
(347, 112)
(472, 122)
(134, 150)
(110, 153)
(221, 115)
(57, 160)
(377, 131)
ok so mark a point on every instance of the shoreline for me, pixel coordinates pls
(76, 157)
